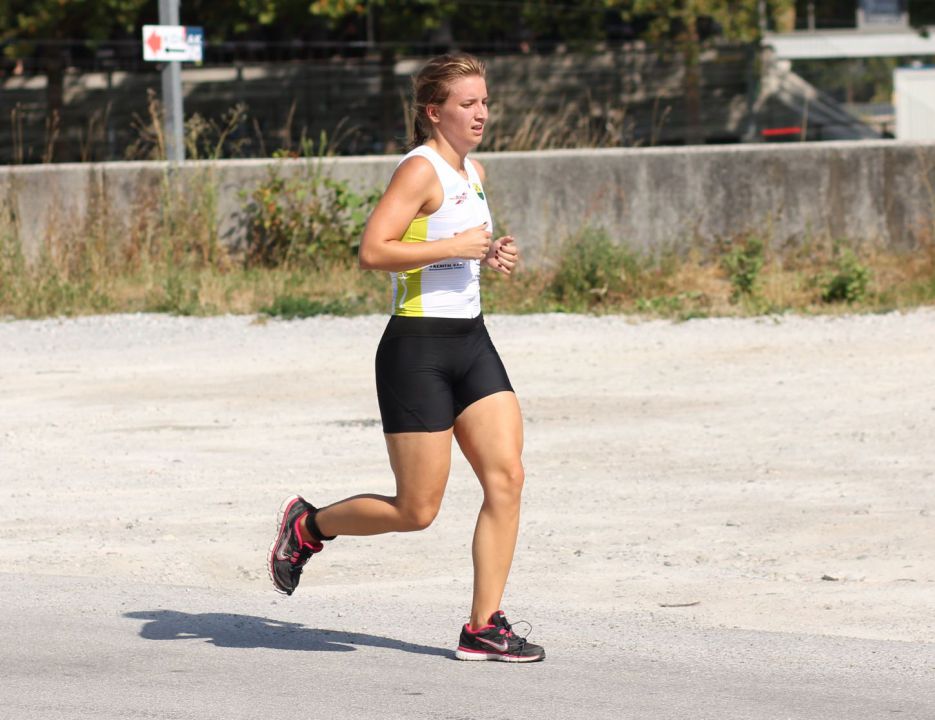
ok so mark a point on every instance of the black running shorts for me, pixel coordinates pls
(429, 369)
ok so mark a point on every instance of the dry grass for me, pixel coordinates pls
(536, 125)
(170, 260)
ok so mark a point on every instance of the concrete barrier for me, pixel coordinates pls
(871, 191)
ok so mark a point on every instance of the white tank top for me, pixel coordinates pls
(449, 288)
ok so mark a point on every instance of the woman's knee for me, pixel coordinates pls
(505, 485)
(417, 516)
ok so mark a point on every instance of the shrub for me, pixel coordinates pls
(305, 221)
(848, 282)
(743, 263)
(592, 270)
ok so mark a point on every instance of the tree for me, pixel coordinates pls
(28, 21)
(921, 12)
(223, 20)
(48, 29)
(687, 22)
(683, 20)
(391, 23)
(440, 25)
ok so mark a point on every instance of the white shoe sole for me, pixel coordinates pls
(280, 519)
(471, 655)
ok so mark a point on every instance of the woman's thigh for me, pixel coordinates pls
(421, 462)
(490, 434)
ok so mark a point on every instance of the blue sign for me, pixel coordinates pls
(195, 36)
(882, 12)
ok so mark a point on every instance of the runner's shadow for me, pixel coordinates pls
(247, 631)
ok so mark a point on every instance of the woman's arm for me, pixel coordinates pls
(414, 191)
(503, 253)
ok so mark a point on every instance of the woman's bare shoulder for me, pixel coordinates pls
(414, 185)
(481, 173)
(415, 171)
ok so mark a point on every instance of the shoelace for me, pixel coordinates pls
(305, 551)
(300, 557)
(521, 638)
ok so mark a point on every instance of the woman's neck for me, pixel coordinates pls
(449, 154)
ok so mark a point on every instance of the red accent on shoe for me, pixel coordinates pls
(316, 547)
(474, 631)
(490, 624)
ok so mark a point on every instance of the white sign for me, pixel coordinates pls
(166, 43)
(914, 100)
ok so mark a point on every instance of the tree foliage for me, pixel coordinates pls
(691, 19)
(476, 24)
(33, 20)
(391, 21)
(56, 19)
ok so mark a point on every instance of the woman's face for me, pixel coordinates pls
(461, 118)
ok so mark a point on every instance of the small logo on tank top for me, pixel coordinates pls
(458, 199)
(479, 190)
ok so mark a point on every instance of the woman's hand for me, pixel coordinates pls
(503, 255)
(472, 244)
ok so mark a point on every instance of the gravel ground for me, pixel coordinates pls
(758, 474)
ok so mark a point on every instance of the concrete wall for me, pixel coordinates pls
(873, 191)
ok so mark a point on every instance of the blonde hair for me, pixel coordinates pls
(431, 84)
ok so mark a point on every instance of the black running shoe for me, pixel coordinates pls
(288, 554)
(497, 641)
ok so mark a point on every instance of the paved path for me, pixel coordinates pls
(722, 519)
(86, 649)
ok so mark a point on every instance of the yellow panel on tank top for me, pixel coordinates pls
(409, 300)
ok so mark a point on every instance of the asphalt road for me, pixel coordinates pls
(86, 648)
(722, 519)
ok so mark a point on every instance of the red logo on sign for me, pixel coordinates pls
(154, 42)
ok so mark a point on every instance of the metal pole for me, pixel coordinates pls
(761, 17)
(370, 34)
(172, 91)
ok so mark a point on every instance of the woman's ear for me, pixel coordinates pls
(431, 112)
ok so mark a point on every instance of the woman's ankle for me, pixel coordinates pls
(310, 530)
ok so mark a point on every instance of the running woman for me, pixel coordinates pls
(438, 374)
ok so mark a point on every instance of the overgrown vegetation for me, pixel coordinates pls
(743, 275)
(298, 259)
(300, 228)
(847, 281)
(743, 262)
(307, 219)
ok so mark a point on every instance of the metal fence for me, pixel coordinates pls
(256, 99)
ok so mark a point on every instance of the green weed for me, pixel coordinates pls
(848, 281)
(743, 263)
(12, 263)
(180, 294)
(290, 307)
(309, 220)
(683, 305)
(594, 271)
